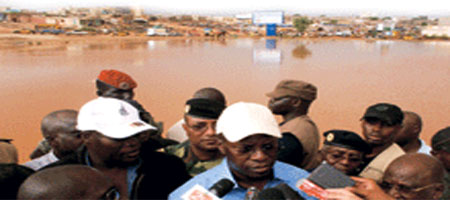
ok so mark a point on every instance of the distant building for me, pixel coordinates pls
(38, 19)
(18, 17)
(441, 30)
(4, 9)
(436, 31)
(243, 18)
(2, 17)
(157, 31)
(444, 21)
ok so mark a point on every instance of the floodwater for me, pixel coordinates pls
(350, 76)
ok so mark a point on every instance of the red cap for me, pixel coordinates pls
(117, 79)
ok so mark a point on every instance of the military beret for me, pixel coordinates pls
(204, 108)
(117, 79)
(346, 139)
(5, 140)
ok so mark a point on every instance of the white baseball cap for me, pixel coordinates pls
(111, 117)
(244, 119)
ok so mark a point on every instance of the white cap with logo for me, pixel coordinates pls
(111, 117)
(243, 119)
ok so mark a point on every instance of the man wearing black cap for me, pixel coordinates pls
(200, 152)
(176, 132)
(380, 124)
(344, 150)
(440, 144)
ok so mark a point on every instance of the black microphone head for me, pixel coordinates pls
(222, 187)
(288, 192)
(270, 194)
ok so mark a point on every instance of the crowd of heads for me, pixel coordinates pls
(112, 148)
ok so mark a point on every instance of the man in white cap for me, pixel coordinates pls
(249, 135)
(110, 130)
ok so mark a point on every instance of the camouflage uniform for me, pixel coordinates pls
(446, 194)
(193, 166)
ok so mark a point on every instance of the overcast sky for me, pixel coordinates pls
(310, 7)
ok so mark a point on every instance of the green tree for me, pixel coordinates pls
(301, 24)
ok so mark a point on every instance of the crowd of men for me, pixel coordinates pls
(112, 148)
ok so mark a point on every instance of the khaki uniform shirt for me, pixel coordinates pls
(307, 133)
(193, 166)
(375, 169)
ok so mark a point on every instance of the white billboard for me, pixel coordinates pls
(268, 17)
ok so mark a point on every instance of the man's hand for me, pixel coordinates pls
(368, 189)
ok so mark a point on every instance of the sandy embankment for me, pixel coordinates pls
(27, 42)
(41, 42)
(11, 41)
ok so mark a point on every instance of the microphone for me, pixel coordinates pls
(270, 194)
(222, 187)
(217, 190)
(251, 194)
(288, 192)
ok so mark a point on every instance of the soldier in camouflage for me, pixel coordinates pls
(200, 152)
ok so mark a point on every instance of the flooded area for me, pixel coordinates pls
(350, 76)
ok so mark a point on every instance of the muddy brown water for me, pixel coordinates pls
(350, 76)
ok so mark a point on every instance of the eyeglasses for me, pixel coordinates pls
(403, 189)
(111, 194)
(336, 157)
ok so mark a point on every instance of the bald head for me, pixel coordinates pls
(66, 182)
(57, 120)
(419, 165)
(416, 171)
(59, 129)
(210, 93)
(411, 128)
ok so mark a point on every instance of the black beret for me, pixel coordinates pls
(346, 139)
(5, 140)
(204, 108)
